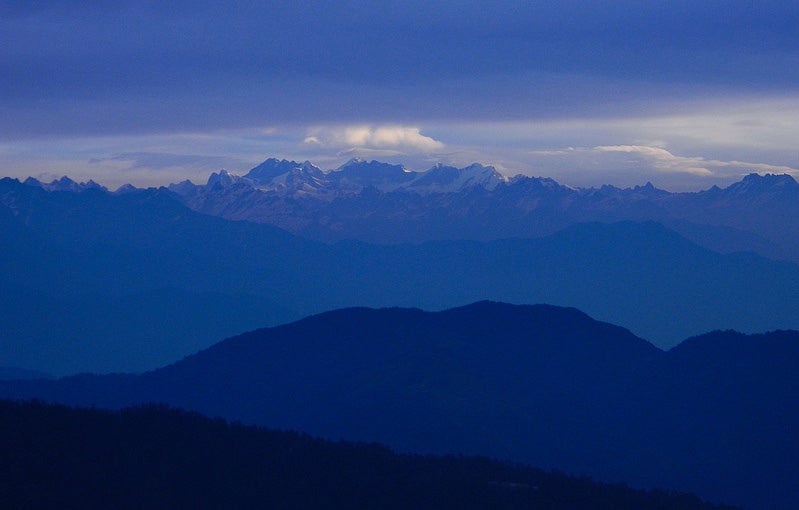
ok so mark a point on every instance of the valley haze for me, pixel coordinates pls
(83, 267)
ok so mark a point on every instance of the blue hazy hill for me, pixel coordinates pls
(141, 275)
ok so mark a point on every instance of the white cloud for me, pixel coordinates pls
(690, 147)
(662, 160)
(403, 138)
(748, 123)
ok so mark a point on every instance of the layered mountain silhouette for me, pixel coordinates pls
(383, 203)
(155, 457)
(128, 281)
(543, 385)
(95, 281)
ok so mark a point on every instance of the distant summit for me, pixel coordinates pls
(64, 184)
(275, 174)
(448, 179)
(768, 183)
(356, 174)
(222, 179)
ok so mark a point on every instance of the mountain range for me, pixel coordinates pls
(131, 280)
(543, 385)
(382, 203)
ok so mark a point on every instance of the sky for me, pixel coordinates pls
(682, 94)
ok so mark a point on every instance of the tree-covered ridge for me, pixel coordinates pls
(157, 457)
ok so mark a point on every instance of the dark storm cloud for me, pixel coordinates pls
(76, 67)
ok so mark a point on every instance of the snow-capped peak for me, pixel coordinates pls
(445, 179)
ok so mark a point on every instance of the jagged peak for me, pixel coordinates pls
(271, 162)
(649, 189)
(91, 184)
(755, 182)
(222, 178)
(353, 161)
(64, 184)
(478, 167)
(373, 165)
(446, 178)
(266, 172)
(754, 176)
(130, 188)
(537, 182)
(183, 187)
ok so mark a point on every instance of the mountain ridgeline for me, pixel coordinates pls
(542, 385)
(96, 281)
(155, 457)
(382, 203)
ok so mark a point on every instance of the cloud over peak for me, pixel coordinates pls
(400, 138)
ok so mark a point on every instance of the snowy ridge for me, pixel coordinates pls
(387, 203)
(290, 177)
(448, 179)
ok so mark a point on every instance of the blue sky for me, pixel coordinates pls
(683, 94)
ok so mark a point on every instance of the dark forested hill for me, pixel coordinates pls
(544, 385)
(154, 457)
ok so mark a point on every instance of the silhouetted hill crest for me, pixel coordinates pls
(536, 383)
(156, 457)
